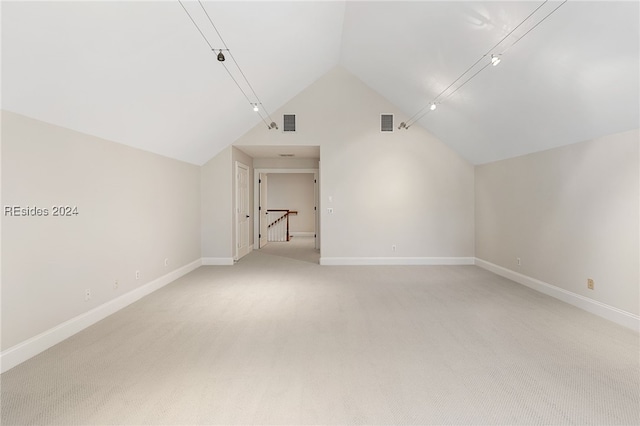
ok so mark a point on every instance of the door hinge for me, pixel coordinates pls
(259, 207)
(259, 235)
(315, 181)
(315, 208)
(259, 180)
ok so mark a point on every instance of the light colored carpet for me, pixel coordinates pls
(298, 248)
(274, 340)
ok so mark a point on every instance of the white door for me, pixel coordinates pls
(242, 210)
(316, 200)
(262, 210)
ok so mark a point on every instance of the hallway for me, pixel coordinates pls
(299, 248)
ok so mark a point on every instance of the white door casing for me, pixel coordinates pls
(243, 219)
(258, 222)
(262, 210)
(316, 201)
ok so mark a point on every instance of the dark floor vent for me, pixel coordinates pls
(386, 122)
(289, 123)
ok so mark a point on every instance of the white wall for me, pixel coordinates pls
(570, 214)
(134, 210)
(217, 209)
(293, 191)
(218, 206)
(404, 188)
(285, 163)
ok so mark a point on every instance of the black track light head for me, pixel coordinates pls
(221, 57)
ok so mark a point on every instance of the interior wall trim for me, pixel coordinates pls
(23, 351)
(356, 261)
(624, 318)
(217, 261)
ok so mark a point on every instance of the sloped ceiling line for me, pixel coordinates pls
(135, 73)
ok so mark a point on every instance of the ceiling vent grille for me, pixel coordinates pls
(386, 122)
(289, 123)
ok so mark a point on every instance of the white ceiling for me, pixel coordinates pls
(139, 73)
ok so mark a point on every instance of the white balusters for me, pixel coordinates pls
(278, 226)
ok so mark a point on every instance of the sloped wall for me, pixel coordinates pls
(404, 189)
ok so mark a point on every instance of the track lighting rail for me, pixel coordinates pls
(495, 60)
(222, 58)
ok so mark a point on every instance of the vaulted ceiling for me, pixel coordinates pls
(139, 73)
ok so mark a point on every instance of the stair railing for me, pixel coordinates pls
(278, 225)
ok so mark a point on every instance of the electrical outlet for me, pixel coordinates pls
(87, 294)
(166, 261)
(590, 284)
(137, 275)
(116, 285)
(518, 262)
(393, 247)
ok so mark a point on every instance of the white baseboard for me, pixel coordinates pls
(624, 318)
(357, 261)
(31, 347)
(302, 234)
(217, 261)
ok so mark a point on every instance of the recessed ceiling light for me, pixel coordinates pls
(286, 155)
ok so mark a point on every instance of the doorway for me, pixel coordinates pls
(265, 221)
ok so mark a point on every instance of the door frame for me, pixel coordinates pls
(261, 225)
(237, 253)
(256, 199)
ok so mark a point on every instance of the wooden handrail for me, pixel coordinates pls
(285, 215)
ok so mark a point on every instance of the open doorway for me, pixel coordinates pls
(287, 213)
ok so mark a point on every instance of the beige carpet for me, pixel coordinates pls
(273, 340)
(298, 248)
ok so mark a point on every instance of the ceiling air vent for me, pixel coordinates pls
(289, 123)
(386, 122)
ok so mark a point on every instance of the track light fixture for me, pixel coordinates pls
(495, 60)
(240, 79)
